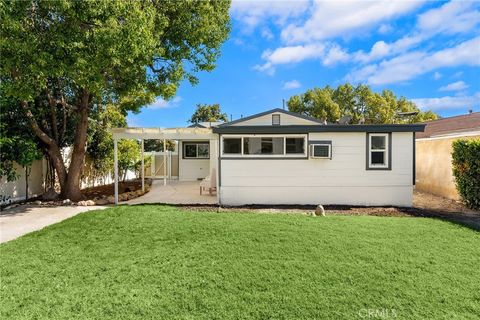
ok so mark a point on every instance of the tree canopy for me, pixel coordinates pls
(64, 61)
(360, 103)
(208, 113)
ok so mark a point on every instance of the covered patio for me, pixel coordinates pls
(182, 191)
(175, 192)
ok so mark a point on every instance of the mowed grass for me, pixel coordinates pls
(146, 262)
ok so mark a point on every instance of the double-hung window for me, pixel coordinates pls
(196, 150)
(378, 151)
(274, 146)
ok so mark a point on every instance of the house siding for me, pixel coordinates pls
(285, 120)
(191, 169)
(341, 180)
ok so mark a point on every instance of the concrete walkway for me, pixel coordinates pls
(175, 192)
(24, 219)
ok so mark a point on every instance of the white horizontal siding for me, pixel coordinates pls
(266, 120)
(192, 169)
(361, 196)
(341, 180)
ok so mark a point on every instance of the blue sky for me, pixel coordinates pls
(427, 51)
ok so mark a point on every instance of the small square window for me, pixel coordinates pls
(275, 119)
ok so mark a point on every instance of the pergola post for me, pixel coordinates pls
(164, 162)
(115, 169)
(143, 169)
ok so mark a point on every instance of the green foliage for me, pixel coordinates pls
(63, 61)
(360, 102)
(165, 262)
(156, 145)
(466, 169)
(208, 113)
(17, 144)
(129, 156)
(100, 141)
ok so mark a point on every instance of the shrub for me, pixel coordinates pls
(466, 169)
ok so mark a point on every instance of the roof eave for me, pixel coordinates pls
(321, 128)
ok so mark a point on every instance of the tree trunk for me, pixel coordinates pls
(71, 190)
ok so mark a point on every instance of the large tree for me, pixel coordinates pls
(360, 103)
(62, 61)
(208, 113)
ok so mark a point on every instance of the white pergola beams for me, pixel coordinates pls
(154, 133)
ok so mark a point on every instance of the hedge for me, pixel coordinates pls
(466, 169)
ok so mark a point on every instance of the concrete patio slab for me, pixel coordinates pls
(24, 219)
(175, 192)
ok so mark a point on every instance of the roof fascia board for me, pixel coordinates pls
(321, 128)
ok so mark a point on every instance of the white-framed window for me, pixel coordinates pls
(321, 151)
(196, 150)
(378, 151)
(276, 146)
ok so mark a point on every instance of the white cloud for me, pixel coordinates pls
(267, 34)
(163, 104)
(287, 55)
(437, 75)
(407, 66)
(253, 13)
(385, 28)
(294, 84)
(448, 102)
(328, 54)
(453, 17)
(454, 86)
(336, 18)
(334, 55)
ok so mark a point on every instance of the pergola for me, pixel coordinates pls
(157, 134)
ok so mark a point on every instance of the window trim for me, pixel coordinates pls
(279, 119)
(285, 155)
(196, 143)
(387, 151)
(312, 154)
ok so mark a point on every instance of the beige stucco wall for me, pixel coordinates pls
(434, 166)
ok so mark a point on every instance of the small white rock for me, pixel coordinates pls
(89, 203)
(320, 211)
(67, 202)
(38, 202)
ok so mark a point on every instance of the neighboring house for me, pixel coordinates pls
(434, 152)
(279, 157)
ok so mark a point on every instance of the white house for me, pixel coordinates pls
(279, 157)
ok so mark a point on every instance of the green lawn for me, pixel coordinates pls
(161, 262)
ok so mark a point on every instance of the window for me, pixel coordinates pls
(275, 119)
(263, 145)
(378, 148)
(294, 145)
(232, 145)
(277, 146)
(322, 151)
(196, 150)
